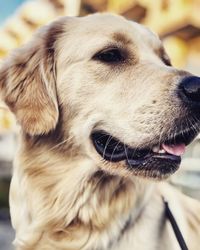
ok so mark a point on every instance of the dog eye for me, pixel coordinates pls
(110, 56)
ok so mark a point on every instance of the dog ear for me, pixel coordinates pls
(28, 82)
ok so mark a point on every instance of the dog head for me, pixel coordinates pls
(106, 85)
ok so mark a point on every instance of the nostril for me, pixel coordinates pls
(190, 87)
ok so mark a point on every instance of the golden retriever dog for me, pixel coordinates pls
(104, 117)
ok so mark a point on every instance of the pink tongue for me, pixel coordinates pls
(174, 149)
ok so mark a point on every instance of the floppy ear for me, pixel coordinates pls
(28, 82)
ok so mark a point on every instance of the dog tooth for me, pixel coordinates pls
(162, 151)
(155, 149)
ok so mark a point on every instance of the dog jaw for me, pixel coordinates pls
(64, 199)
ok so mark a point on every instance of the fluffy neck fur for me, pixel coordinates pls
(68, 203)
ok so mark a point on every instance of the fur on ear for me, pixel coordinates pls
(28, 81)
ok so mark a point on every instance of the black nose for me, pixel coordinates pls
(190, 89)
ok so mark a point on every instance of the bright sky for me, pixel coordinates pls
(8, 7)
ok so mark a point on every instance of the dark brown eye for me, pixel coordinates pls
(110, 56)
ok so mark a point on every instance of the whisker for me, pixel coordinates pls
(107, 143)
(126, 152)
(60, 143)
(114, 150)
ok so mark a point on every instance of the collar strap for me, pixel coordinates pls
(175, 227)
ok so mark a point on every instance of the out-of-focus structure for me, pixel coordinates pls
(19, 27)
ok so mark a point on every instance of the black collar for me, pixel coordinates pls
(175, 227)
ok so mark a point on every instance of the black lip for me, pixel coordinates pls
(185, 137)
(111, 149)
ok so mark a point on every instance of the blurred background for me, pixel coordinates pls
(176, 21)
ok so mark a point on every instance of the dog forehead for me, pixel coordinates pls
(87, 35)
(110, 23)
(102, 26)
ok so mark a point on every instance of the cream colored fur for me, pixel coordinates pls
(63, 196)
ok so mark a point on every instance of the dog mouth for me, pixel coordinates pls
(160, 159)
